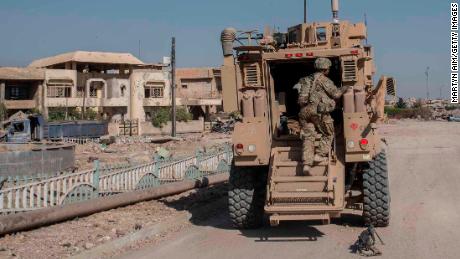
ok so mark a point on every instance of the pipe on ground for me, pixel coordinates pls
(34, 219)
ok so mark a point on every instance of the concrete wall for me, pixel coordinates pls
(139, 78)
(196, 126)
(33, 159)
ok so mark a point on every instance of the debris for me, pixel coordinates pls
(165, 139)
(223, 126)
(137, 226)
(107, 140)
(88, 245)
(163, 153)
(66, 244)
(119, 233)
(92, 159)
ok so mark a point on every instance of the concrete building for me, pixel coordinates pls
(21, 88)
(200, 88)
(118, 86)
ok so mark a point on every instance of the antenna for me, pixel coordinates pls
(304, 11)
(335, 10)
(365, 23)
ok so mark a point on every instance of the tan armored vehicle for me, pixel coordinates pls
(259, 75)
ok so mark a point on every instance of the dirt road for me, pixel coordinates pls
(424, 177)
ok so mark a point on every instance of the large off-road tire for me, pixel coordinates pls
(376, 207)
(246, 196)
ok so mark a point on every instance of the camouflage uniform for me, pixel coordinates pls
(316, 104)
(365, 244)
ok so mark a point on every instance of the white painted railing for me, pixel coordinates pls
(89, 184)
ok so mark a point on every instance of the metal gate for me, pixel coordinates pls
(129, 128)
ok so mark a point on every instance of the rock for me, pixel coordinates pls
(88, 245)
(137, 226)
(66, 244)
(104, 239)
(120, 233)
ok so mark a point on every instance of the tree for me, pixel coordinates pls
(418, 104)
(401, 104)
(3, 112)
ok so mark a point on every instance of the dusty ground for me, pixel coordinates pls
(81, 234)
(423, 165)
(424, 180)
(134, 153)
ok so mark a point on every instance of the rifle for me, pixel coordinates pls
(377, 234)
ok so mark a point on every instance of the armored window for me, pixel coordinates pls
(154, 89)
(321, 34)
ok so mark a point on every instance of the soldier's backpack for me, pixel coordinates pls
(306, 86)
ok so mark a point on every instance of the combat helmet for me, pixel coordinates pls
(322, 63)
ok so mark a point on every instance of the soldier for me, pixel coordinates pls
(317, 100)
(366, 242)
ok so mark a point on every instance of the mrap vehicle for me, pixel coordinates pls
(258, 78)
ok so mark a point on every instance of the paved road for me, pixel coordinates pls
(424, 177)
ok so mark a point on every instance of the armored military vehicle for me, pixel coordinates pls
(258, 78)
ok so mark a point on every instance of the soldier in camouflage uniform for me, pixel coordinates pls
(317, 100)
(365, 244)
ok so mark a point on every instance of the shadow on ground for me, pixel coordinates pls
(208, 207)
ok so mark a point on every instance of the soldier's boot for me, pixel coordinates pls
(306, 169)
(320, 159)
(375, 251)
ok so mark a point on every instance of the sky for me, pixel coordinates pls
(408, 36)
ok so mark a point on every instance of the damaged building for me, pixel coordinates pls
(116, 86)
(201, 89)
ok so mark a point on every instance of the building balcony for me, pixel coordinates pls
(199, 101)
(154, 102)
(89, 102)
(20, 104)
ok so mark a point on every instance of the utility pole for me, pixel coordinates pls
(173, 86)
(440, 91)
(139, 56)
(427, 85)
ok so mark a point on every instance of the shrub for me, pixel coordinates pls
(401, 113)
(3, 112)
(90, 114)
(160, 117)
(182, 114)
(401, 104)
(163, 114)
(56, 114)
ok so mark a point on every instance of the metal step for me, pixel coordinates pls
(293, 208)
(299, 195)
(319, 216)
(294, 179)
(287, 149)
(287, 163)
